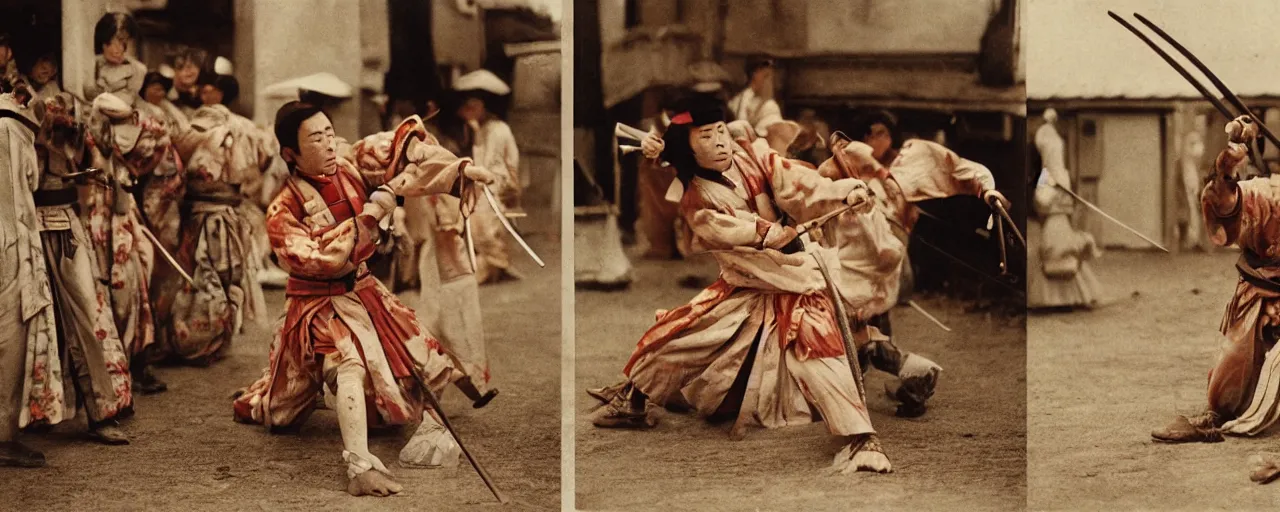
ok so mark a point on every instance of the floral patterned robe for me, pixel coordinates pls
(77, 346)
(197, 322)
(363, 319)
(768, 313)
(30, 370)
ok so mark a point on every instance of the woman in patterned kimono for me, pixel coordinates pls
(86, 362)
(130, 143)
(342, 327)
(26, 303)
(762, 343)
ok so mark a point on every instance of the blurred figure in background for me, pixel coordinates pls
(43, 76)
(493, 146)
(755, 103)
(1058, 271)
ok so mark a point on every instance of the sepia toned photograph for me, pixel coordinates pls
(279, 254)
(1151, 343)
(764, 189)
(615, 255)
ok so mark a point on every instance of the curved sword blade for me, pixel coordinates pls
(502, 217)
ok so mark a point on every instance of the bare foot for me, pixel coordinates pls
(373, 483)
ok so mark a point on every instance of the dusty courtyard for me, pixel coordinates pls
(1100, 381)
(967, 453)
(189, 455)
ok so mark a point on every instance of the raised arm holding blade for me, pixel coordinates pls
(342, 326)
(713, 353)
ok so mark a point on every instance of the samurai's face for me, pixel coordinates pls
(317, 153)
(711, 146)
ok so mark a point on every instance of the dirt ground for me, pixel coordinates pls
(967, 453)
(189, 455)
(1101, 380)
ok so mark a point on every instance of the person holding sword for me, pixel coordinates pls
(762, 343)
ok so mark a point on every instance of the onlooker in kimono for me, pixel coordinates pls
(115, 71)
(155, 87)
(493, 146)
(26, 303)
(1058, 269)
(43, 76)
(755, 103)
(221, 90)
(187, 66)
(164, 187)
(128, 144)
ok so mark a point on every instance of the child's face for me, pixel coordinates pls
(155, 93)
(210, 95)
(43, 71)
(186, 75)
(115, 49)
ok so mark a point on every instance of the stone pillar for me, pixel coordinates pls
(294, 38)
(78, 19)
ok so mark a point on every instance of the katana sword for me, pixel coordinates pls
(1214, 100)
(1222, 87)
(1005, 214)
(444, 420)
(926, 314)
(1095, 208)
(846, 332)
(493, 202)
(167, 257)
(471, 244)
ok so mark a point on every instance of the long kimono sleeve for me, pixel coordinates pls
(1253, 225)
(802, 192)
(928, 170)
(722, 228)
(325, 254)
(432, 169)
